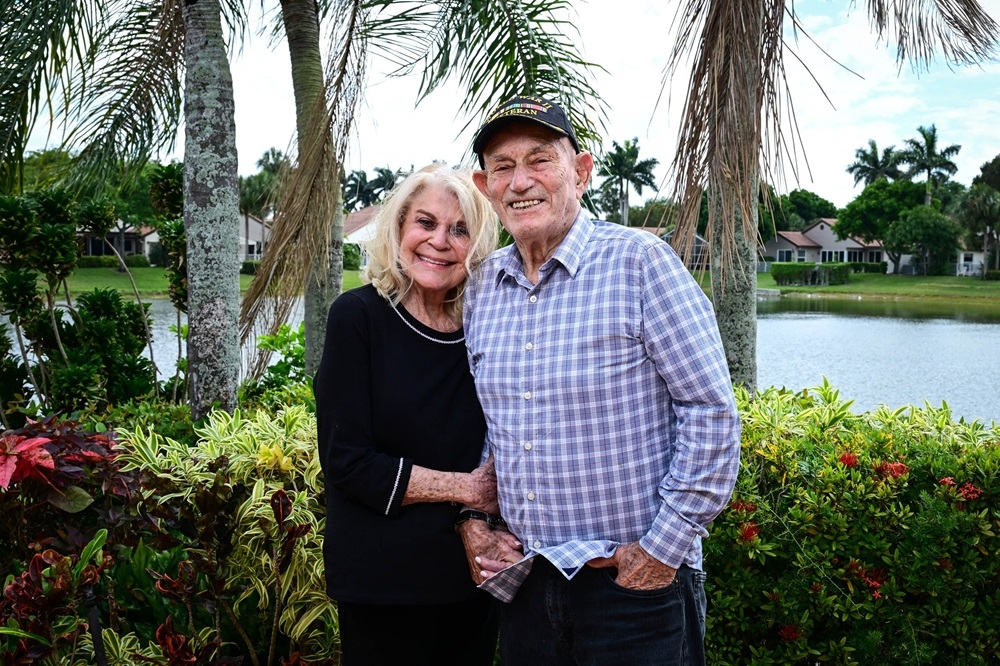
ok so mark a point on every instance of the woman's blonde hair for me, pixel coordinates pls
(384, 270)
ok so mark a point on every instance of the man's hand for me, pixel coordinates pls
(488, 551)
(482, 494)
(637, 569)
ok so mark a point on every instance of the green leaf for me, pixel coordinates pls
(73, 499)
(17, 633)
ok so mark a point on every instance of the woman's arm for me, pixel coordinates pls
(476, 489)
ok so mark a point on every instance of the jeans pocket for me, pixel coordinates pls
(610, 573)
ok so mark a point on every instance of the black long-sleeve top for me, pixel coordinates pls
(392, 393)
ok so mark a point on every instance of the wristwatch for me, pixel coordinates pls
(471, 514)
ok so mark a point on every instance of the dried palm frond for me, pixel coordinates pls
(732, 132)
(307, 207)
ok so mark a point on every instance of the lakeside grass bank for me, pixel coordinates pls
(152, 283)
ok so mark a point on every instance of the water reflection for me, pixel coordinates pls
(884, 352)
(973, 311)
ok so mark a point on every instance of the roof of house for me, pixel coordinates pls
(798, 239)
(360, 218)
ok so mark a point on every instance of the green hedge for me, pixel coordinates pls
(808, 273)
(868, 539)
(137, 261)
(250, 267)
(993, 275)
(877, 267)
(106, 261)
(352, 257)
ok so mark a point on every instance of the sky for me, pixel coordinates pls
(631, 39)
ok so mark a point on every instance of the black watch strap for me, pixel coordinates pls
(488, 518)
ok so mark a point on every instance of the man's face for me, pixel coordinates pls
(534, 179)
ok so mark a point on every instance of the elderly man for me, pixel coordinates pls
(610, 411)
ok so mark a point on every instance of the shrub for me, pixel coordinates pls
(808, 273)
(877, 267)
(213, 554)
(857, 539)
(352, 257)
(250, 267)
(137, 261)
(103, 261)
(993, 275)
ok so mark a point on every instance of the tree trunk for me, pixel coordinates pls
(735, 303)
(894, 258)
(211, 212)
(301, 19)
(623, 198)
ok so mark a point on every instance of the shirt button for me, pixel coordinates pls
(532, 298)
(527, 395)
(528, 346)
(537, 544)
(531, 496)
(527, 446)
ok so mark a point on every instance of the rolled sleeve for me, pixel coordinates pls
(682, 338)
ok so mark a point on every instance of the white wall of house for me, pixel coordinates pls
(783, 249)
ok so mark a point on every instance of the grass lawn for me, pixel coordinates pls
(899, 286)
(151, 282)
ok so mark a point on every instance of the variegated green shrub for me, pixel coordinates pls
(221, 500)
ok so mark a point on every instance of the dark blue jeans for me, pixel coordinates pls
(592, 621)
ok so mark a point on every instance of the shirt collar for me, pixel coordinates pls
(569, 253)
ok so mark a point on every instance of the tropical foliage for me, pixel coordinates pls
(923, 156)
(870, 165)
(856, 538)
(622, 169)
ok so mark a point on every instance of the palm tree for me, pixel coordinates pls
(358, 192)
(495, 49)
(869, 165)
(385, 180)
(731, 130)
(623, 168)
(211, 212)
(979, 211)
(923, 156)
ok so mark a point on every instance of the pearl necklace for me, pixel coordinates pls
(424, 335)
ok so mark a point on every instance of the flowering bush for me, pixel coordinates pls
(857, 538)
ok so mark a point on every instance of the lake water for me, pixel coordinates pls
(890, 352)
(884, 352)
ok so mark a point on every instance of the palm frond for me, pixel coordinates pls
(495, 49)
(40, 44)
(132, 108)
(960, 30)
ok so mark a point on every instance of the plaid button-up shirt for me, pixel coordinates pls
(607, 396)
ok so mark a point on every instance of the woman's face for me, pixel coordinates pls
(434, 241)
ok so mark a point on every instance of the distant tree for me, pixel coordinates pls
(923, 156)
(273, 162)
(357, 192)
(931, 236)
(622, 167)
(989, 174)
(979, 212)
(947, 196)
(809, 205)
(45, 168)
(384, 182)
(657, 212)
(875, 210)
(869, 165)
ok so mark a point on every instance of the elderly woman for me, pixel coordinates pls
(401, 431)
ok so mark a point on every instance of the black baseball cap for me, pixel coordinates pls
(536, 109)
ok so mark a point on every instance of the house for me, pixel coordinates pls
(358, 227)
(254, 234)
(818, 243)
